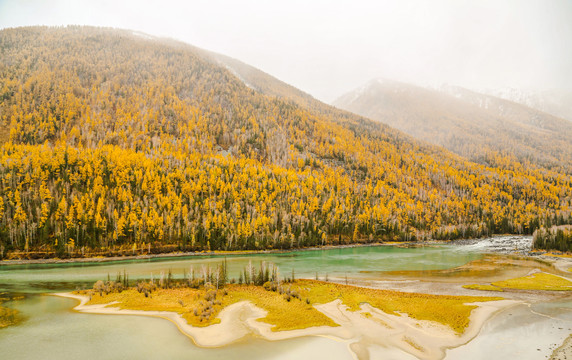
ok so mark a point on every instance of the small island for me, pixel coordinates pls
(214, 310)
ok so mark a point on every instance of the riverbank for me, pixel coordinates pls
(191, 254)
(360, 324)
(503, 244)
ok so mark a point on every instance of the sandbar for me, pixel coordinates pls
(363, 330)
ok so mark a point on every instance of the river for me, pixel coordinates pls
(52, 330)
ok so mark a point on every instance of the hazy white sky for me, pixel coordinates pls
(327, 48)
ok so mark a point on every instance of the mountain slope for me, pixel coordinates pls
(468, 123)
(261, 81)
(120, 143)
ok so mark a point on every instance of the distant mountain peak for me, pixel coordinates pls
(464, 121)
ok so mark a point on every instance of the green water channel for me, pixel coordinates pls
(45, 278)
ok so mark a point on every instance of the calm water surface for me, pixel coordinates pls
(42, 278)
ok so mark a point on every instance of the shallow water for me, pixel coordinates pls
(41, 278)
(53, 331)
(523, 332)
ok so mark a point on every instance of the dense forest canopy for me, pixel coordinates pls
(116, 142)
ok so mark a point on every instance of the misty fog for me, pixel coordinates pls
(329, 47)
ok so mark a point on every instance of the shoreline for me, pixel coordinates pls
(196, 254)
(174, 255)
(360, 329)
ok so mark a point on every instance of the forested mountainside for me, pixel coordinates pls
(468, 123)
(115, 142)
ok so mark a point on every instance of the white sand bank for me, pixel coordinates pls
(365, 331)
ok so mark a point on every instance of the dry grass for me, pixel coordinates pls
(538, 281)
(183, 301)
(283, 314)
(483, 287)
(298, 313)
(444, 309)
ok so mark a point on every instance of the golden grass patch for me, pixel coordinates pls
(183, 301)
(283, 314)
(483, 287)
(298, 312)
(444, 309)
(538, 281)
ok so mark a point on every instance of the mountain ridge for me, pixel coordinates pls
(466, 122)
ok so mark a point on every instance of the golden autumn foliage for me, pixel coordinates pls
(118, 142)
